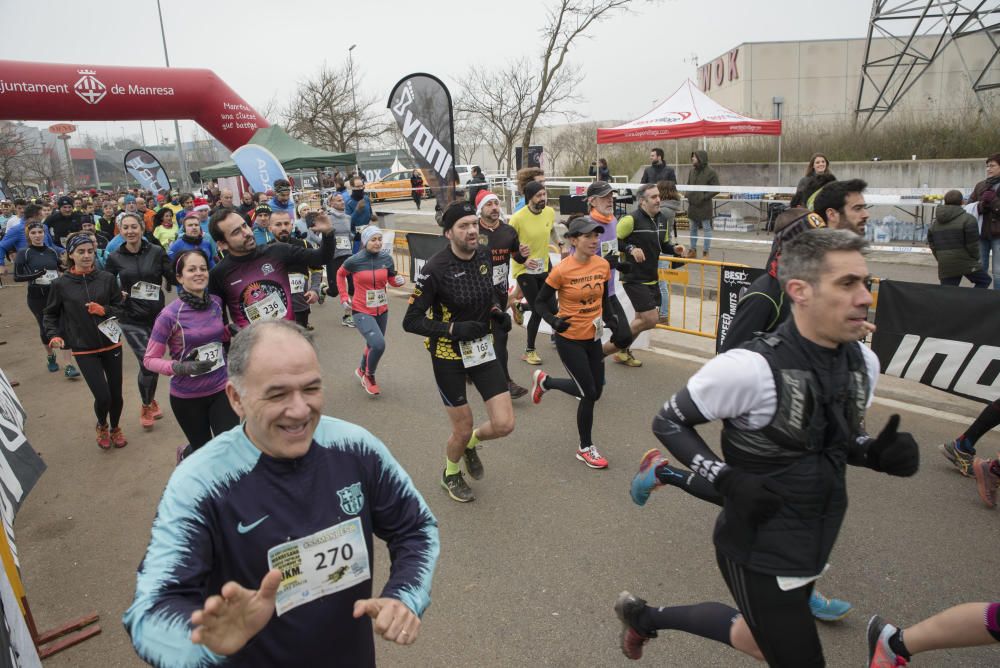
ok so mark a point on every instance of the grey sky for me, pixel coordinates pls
(261, 48)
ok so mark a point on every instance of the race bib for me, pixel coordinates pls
(298, 283)
(477, 352)
(272, 308)
(50, 275)
(535, 265)
(500, 273)
(374, 298)
(598, 328)
(324, 563)
(609, 247)
(343, 243)
(144, 290)
(111, 329)
(210, 352)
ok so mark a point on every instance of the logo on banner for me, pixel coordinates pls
(352, 499)
(415, 132)
(89, 87)
(958, 366)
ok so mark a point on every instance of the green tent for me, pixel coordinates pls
(293, 155)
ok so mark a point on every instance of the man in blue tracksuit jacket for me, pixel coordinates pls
(205, 594)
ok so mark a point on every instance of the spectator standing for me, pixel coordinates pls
(700, 202)
(657, 171)
(476, 183)
(985, 193)
(954, 241)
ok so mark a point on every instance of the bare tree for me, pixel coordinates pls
(323, 112)
(577, 142)
(22, 157)
(500, 101)
(567, 20)
(470, 135)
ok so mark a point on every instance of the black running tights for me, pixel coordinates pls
(138, 338)
(202, 418)
(530, 285)
(103, 373)
(584, 361)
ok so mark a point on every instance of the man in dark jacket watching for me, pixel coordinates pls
(954, 240)
(700, 202)
(658, 169)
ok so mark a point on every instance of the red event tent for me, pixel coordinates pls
(687, 113)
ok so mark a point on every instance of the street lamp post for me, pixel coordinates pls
(354, 104)
(185, 179)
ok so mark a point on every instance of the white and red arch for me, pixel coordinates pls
(57, 92)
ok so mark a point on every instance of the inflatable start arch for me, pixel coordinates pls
(55, 92)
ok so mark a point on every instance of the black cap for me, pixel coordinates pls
(455, 212)
(65, 200)
(599, 189)
(583, 225)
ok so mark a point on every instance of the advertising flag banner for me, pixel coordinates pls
(422, 248)
(735, 281)
(421, 105)
(258, 166)
(147, 170)
(924, 333)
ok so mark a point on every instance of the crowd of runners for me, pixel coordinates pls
(791, 387)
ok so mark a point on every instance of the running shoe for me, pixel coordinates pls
(537, 390)
(118, 438)
(371, 387)
(880, 655)
(516, 391)
(531, 357)
(986, 481)
(828, 609)
(103, 437)
(347, 321)
(631, 641)
(960, 460)
(457, 488)
(518, 312)
(53, 364)
(146, 417)
(473, 464)
(645, 481)
(592, 458)
(625, 357)
(156, 410)
(71, 372)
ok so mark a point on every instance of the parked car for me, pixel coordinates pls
(395, 185)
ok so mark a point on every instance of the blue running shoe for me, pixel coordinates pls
(53, 364)
(828, 609)
(645, 481)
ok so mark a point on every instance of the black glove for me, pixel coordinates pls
(893, 452)
(501, 318)
(754, 498)
(559, 324)
(468, 330)
(191, 367)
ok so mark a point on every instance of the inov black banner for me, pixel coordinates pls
(422, 248)
(940, 336)
(421, 105)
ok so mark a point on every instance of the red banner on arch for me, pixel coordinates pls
(52, 92)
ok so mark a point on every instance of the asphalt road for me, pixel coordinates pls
(529, 571)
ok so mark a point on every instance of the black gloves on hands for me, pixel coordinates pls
(501, 318)
(894, 452)
(559, 324)
(468, 330)
(191, 367)
(754, 498)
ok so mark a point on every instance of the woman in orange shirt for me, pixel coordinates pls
(581, 281)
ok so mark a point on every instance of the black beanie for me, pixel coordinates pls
(455, 212)
(532, 189)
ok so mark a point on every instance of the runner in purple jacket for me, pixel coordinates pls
(192, 330)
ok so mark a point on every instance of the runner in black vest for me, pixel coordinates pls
(793, 405)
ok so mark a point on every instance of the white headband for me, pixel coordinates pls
(491, 196)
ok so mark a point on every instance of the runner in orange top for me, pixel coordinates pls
(584, 310)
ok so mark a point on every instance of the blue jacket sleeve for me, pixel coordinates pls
(171, 582)
(10, 242)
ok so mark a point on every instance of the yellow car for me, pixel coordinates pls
(394, 185)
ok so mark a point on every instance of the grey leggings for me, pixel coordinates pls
(138, 338)
(372, 327)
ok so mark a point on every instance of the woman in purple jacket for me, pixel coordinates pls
(192, 330)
